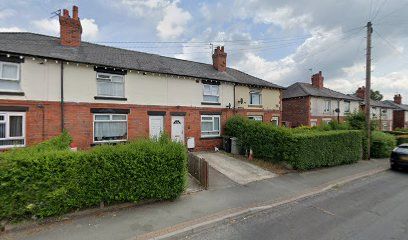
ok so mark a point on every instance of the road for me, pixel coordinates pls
(370, 208)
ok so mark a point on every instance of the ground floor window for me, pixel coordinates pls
(313, 123)
(275, 121)
(326, 121)
(210, 125)
(110, 127)
(12, 129)
(256, 118)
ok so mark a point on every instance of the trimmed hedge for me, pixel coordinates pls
(52, 182)
(382, 144)
(402, 139)
(302, 148)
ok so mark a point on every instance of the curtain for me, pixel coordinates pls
(16, 126)
(110, 130)
(9, 71)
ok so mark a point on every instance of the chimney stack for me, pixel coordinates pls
(361, 92)
(70, 28)
(317, 80)
(220, 59)
(398, 99)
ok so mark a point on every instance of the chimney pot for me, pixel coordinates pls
(317, 80)
(70, 28)
(75, 12)
(398, 99)
(361, 92)
(220, 59)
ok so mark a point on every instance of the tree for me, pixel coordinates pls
(376, 95)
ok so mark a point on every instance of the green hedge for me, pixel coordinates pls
(402, 139)
(382, 144)
(52, 182)
(302, 148)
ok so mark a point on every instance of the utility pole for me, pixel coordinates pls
(368, 88)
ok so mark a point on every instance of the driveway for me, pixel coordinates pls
(236, 170)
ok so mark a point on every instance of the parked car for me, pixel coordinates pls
(399, 157)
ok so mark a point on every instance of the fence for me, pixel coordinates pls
(198, 168)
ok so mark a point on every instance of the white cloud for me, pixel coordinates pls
(283, 17)
(11, 29)
(174, 21)
(90, 29)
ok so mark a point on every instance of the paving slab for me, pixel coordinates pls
(237, 170)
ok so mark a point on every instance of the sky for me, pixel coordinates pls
(281, 41)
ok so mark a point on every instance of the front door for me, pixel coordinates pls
(155, 126)
(177, 128)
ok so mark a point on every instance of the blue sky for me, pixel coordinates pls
(282, 41)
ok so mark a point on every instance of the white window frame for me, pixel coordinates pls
(256, 118)
(217, 133)
(7, 127)
(276, 120)
(327, 121)
(110, 78)
(327, 108)
(212, 95)
(254, 91)
(313, 123)
(12, 64)
(110, 120)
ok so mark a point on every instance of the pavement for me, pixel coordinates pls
(162, 219)
(238, 171)
(372, 208)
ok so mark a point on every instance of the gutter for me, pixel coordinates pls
(62, 96)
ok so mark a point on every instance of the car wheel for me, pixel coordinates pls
(394, 167)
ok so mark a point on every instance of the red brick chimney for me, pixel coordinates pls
(361, 92)
(317, 80)
(398, 99)
(220, 59)
(70, 28)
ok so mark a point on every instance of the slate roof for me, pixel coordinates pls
(33, 44)
(300, 89)
(375, 103)
(402, 107)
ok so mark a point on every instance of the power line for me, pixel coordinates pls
(379, 9)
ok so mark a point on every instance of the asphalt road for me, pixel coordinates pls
(370, 208)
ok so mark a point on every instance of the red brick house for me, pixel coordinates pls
(310, 104)
(400, 113)
(101, 94)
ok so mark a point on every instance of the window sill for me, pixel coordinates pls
(12, 93)
(108, 143)
(110, 98)
(253, 105)
(210, 103)
(209, 138)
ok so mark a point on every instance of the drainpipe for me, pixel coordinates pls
(234, 96)
(338, 111)
(62, 96)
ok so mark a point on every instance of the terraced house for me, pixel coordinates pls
(400, 112)
(102, 94)
(381, 112)
(311, 104)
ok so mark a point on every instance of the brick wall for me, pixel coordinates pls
(398, 119)
(296, 111)
(43, 120)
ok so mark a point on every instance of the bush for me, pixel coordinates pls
(302, 148)
(45, 183)
(357, 121)
(402, 139)
(382, 144)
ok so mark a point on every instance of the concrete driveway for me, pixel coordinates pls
(238, 171)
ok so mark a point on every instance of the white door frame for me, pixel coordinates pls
(175, 136)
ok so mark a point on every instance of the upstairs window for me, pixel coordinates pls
(255, 97)
(346, 106)
(110, 85)
(327, 106)
(12, 132)
(9, 71)
(211, 93)
(110, 127)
